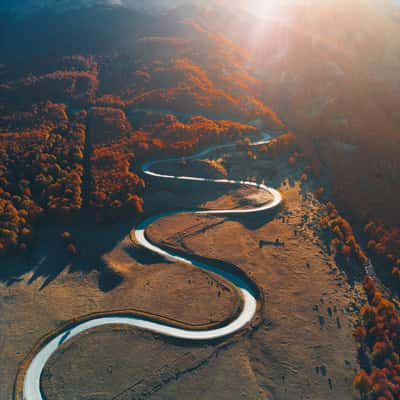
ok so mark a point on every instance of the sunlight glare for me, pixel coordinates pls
(261, 8)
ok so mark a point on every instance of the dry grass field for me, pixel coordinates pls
(303, 348)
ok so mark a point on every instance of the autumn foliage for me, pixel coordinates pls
(78, 87)
(106, 124)
(113, 185)
(172, 133)
(40, 173)
(384, 243)
(118, 149)
(69, 243)
(378, 335)
(74, 128)
(343, 238)
(282, 146)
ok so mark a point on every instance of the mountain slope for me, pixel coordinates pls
(26, 8)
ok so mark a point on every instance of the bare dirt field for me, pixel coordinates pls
(303, 349)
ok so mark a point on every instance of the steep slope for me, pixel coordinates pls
(27, 8)
(331, 70)
(146, 85)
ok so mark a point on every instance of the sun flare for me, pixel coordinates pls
(266, 8)
(260, 7)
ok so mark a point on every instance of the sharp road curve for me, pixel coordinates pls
(31, 381)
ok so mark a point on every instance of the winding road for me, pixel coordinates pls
(31, 389)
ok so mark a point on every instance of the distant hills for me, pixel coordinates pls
(25, 8)
(329, 69)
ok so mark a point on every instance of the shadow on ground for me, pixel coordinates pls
(257, 220)
(144, 256)
(49, 257)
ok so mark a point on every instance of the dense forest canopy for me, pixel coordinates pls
(71, 137)
(195, 74)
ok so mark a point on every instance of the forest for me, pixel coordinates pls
(78, 118)
(378, 336)
(41, 172)
(76, 127)
(171, 88)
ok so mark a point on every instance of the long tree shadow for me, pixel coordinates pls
(109, 279)
(184, 195)
(255, 221)
(350, 268)
(145, 256)
(13, 269)
(209, 192)
(50, 258)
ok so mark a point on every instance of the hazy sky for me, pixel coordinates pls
(252, 5)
